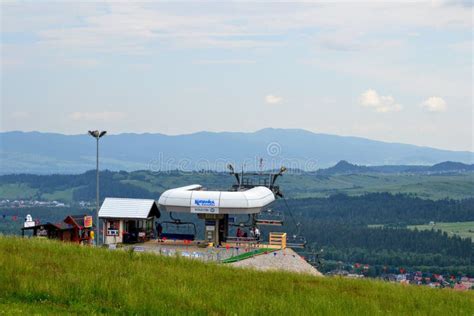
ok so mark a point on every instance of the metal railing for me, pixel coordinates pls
(277, 239)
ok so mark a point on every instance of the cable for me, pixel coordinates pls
(297, 225)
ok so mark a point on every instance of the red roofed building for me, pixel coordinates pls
(74, 228)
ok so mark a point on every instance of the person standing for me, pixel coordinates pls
(159, 230)
(257, 233)
(252, 232)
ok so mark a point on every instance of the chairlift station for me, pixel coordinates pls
(251, 195)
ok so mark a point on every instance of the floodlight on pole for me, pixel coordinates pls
(97, 135)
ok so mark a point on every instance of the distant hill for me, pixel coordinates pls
(449, 166)
(344, 167)
(34, 152)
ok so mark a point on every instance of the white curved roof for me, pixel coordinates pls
(193, 199)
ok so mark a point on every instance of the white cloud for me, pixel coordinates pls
(463, 47)
(97, 116)
(379, 103)
(414, 34)
(80, 62)
(419, 79)
(273, 99)
(224, 61)
(434, 104)
(135, 27)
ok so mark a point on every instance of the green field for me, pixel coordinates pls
(17, 191)
(462, 229)
(47, 277)
(425, 186)
(303, 185)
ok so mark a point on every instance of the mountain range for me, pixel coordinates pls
(36, 152)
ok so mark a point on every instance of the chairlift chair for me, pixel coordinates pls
(269, 218)
(247, 223)
(314, 257)
(296, 240)
(179, 230)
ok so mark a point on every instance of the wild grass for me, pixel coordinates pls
(48, 277)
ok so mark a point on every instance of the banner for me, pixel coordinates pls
(87, 221)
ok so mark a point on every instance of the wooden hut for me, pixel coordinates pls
(74, 228)
(128, 220)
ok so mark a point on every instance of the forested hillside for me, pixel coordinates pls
(373, 229)
(294, 184)
(383, 208)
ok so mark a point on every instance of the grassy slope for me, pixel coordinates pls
(17, 191)
(462, 229)
(49, 277)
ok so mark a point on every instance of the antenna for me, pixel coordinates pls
(236, 175)
(242, 174)
(280, 172)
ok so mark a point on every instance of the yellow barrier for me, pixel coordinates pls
(277, 239)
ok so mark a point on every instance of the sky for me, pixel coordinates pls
(392, 71)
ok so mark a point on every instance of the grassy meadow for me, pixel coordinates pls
(461, 229)
(47, 277)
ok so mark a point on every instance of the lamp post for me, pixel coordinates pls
(97, 135)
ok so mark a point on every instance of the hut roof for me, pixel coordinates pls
(128, 208)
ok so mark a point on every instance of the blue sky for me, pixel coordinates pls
(398, 72)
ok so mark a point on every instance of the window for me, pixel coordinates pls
(113, 228)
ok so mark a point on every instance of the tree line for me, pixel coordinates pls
(382, 208)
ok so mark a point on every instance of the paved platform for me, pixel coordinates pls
(191, 250)
(277, 260)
